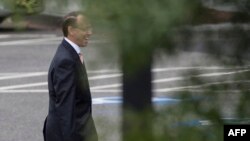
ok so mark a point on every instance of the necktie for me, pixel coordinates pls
(81, 57)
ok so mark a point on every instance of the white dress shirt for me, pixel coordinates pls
(75, 46)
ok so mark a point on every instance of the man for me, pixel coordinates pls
(70, 107)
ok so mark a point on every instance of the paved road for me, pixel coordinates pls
(24, 61)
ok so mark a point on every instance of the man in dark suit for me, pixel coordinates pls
(70, 107)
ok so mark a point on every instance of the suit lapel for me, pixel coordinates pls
(69, 48)
(80, 65)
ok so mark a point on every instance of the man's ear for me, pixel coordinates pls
(70, 30)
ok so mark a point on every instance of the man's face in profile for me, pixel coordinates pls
(82, 31)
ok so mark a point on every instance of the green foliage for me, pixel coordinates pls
(141, 26)
(24, 6)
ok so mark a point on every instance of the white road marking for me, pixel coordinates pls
(23, 75)
(7, 74)
(176, 69)
(102, 71)
(28, 41)
(173, 79)
(45, 73)
(179, 89)
(198, 86)
(200, 75)
(105, 76)
(165, 90)
(106, 86)
(198, 68)
(105, 91)
(23, 86)
(46, 91)
(16, 75)
(117, 85)
(45, 83)
(40, 41)
(222, 73)
(25, 91)
(3, 36)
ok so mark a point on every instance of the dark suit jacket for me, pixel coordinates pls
(70, 116)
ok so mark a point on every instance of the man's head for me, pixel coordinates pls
(76, 28)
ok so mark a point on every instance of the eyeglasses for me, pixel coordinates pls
(87, 28)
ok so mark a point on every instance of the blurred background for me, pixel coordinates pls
(158, 69)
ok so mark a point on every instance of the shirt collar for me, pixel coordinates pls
(75, 46)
